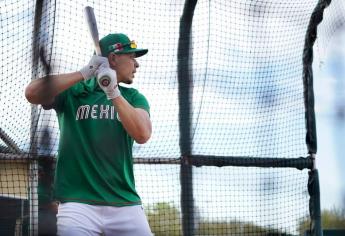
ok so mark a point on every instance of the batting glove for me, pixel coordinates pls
(90, 69)
(106, 78)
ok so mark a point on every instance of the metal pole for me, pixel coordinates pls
(33, 167)
(311, 138)
(185, 100)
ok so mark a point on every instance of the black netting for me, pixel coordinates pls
(246, 101)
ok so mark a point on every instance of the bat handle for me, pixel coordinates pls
(104, 80)
(104, 77)
(98, 50)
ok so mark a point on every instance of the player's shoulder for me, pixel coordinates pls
(131, 94)
(84, 87)
(128, 91)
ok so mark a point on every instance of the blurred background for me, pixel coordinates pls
(329, 87)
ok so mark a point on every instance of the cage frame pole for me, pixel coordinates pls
(185, 95)
(33, 167)
(309, 100)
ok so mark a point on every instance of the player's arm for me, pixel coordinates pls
(43, 90)
(136, 121)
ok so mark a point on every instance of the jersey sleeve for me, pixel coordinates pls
(139, 101)
(60, 100)
(58, 103)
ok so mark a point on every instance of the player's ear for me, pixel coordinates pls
(112, 59)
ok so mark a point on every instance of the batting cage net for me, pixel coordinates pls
(230, 90)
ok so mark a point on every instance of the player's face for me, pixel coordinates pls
(125, 67)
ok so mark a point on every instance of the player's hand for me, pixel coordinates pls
(90, 69)
(106, 78)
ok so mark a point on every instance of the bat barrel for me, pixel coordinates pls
(92, 24)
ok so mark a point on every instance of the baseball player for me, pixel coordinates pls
(94, 180)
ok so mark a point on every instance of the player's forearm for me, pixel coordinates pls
(135, 121)
(43, 90)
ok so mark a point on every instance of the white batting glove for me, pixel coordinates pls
(90, 69)
(106, 78)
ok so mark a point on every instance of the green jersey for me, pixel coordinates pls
(94, 164)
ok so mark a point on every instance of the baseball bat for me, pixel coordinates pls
(92, 24)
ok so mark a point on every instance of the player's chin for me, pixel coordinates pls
(129, 81)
